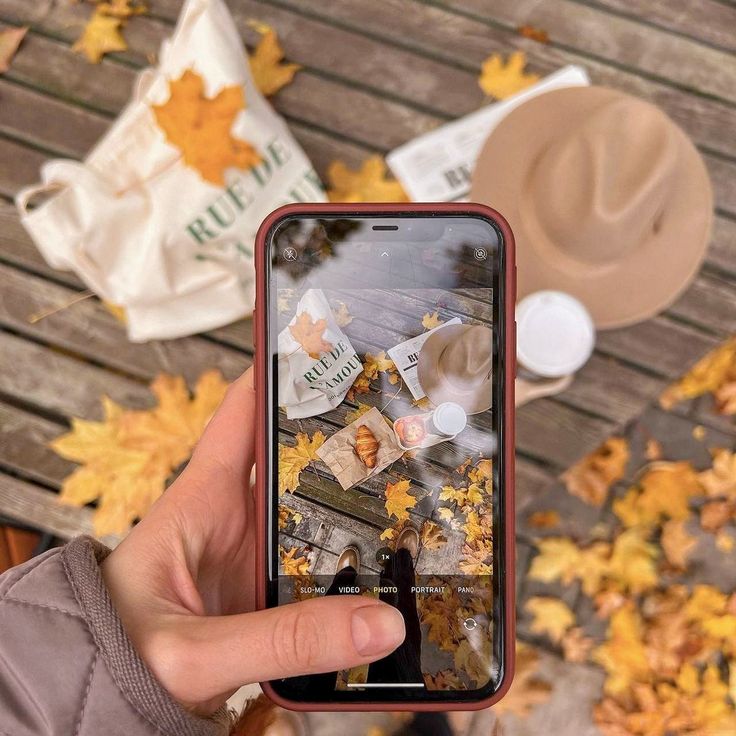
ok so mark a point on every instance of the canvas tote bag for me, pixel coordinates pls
(146, 231)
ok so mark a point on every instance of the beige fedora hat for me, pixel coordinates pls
(608, 199)
(454, 364)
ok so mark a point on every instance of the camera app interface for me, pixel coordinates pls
(385, 459)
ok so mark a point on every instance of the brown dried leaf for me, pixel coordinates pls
(551, 616)
(576, 646)
(10, 40)
(543, 519)
(527, 690)
(535, 34)
(590, 478)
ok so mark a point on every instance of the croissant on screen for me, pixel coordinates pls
(366, 446)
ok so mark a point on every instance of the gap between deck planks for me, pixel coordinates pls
(395, 72)
(357, 151)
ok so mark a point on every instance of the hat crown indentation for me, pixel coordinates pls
(618, 168)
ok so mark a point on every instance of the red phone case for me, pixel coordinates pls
(262, 493)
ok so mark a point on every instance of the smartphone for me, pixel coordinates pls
(385, 365)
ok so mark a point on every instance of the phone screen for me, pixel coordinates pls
(386, 390)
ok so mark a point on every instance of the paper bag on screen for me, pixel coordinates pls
(339, 454)
(165, 229)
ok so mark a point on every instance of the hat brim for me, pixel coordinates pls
(435, 386)
(646, 279)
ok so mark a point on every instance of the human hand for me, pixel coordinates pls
(183, 582)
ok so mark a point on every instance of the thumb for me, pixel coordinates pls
(309, 637)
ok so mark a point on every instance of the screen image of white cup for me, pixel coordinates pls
(554, 338)
(448, 419)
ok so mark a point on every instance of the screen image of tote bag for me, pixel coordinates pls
(169, 241)
(315, 380)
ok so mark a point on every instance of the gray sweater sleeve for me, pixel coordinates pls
(67, 666)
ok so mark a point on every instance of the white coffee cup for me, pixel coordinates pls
(555, 336)
(448, 419)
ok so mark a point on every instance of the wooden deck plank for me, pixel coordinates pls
(708, 21)
(618, 40)
(52, 382)
(24, 447)
(375, 120)
(37, 507)
(89, 330)
(48, 122)
(440, 33)
(349, 57)
(709, 303)
(659, 345)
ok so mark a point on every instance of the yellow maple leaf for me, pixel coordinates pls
(706, 376)
(677, 543)
(501, 80)
(122, 8)
(361, 385)
(481, 472)
(351, 416)
(623, 655)
(292, 460)
(269, 72)
(551, 616)
(293, 564)
(625, 565)
(200, 127)
(10, 40)
(368, 184)
(472, 527)
(631, 567)
(127, 457)
(375, 364)
(590, 478)
(431, 320)
(446, 514)
(102, 35)
(398, 499)
(664, 491)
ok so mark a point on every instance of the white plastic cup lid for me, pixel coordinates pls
(554, 334)
(449, 418)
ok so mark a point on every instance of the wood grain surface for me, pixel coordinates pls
(375, 75)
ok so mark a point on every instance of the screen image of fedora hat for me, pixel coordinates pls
(454, 365)
(608, 199)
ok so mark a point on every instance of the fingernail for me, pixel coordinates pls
(377, 629)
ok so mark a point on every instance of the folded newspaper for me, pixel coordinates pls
(437, 166)
(406, 354)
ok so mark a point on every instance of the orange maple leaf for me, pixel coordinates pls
(308, 334)
(200, 126)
